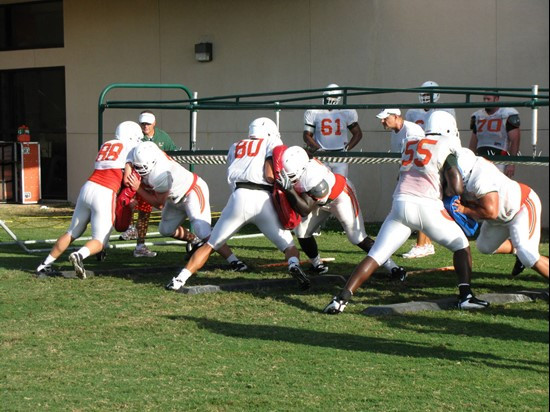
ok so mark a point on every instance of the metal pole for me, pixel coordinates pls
(277, 115)
(535, 117)
(194, 125)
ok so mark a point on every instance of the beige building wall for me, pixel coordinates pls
(268, 45)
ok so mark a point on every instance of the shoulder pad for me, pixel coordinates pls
(513, 120)
(320, 191)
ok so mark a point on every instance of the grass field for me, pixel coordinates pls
(119, 341)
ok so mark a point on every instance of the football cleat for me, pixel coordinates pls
(175, 284)
(419, 251)
(191, 248)
(320, 269)
(130, 234)
(48, 271)
(471, 302)
(518, 267)
(101, 256)
(336, 306)
(143, 251)
(76, 259)
(238, 266)
(297, 273)
(399, 273)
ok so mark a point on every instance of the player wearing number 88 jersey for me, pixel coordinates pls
(327, 130)
(96, 201)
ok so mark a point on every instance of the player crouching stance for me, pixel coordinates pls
(96, 201)
(250, 173)
(315, 192)
(417, 205)
(167, 185)
(510, 212)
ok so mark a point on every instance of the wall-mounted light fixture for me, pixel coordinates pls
(203, 52)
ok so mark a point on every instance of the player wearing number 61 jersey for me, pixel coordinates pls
(327, 130)
(96, 201)
(417, 205)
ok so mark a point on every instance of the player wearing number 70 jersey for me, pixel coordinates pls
(417, 205)
(96, 201)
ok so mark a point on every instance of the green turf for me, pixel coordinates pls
(119, 341)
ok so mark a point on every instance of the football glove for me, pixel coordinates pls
(284, 181)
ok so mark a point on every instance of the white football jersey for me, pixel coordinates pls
(246, 159)
(421, 164)
(420, 116)
(330, 127)
(168, 175)
(490, 129)
(314, 173)
(113, 154)
(110, 162)
(485, 178)
(409, 130)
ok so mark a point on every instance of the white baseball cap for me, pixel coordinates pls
(147, 118)
(386, 112)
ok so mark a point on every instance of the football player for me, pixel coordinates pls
(495, 131)
(317, 193)
(96, 201)
(167, 185)
(327, 130)
(417, 205)
(250, 174)
(510, 212)
(424, 246)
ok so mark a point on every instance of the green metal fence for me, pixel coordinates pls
(353, 98)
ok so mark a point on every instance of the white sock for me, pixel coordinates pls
(389, 265)
(84, 252)
(184, 275)
(232, 258)
(49, 260)
(316, 261)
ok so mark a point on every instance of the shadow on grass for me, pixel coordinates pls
(343, 341)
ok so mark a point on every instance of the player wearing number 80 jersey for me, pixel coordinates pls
(96, 201)
(250, 174)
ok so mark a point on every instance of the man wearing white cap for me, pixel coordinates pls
(401, 129)
(147, 121)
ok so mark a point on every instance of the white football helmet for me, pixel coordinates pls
(466, 160)
(295, 160)
(332, 97)
(426, 97)
(263, 127)
(442, 123)
(130, 132)
(146, 156)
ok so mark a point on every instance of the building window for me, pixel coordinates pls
(34, 25)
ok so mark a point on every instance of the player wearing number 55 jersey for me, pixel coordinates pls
(417, 205)
(250, 174)
(495, 131)
(96, 201)
(327, 130)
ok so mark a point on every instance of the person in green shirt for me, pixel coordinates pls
(151, 133)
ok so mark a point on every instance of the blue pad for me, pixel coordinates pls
(466, 223)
